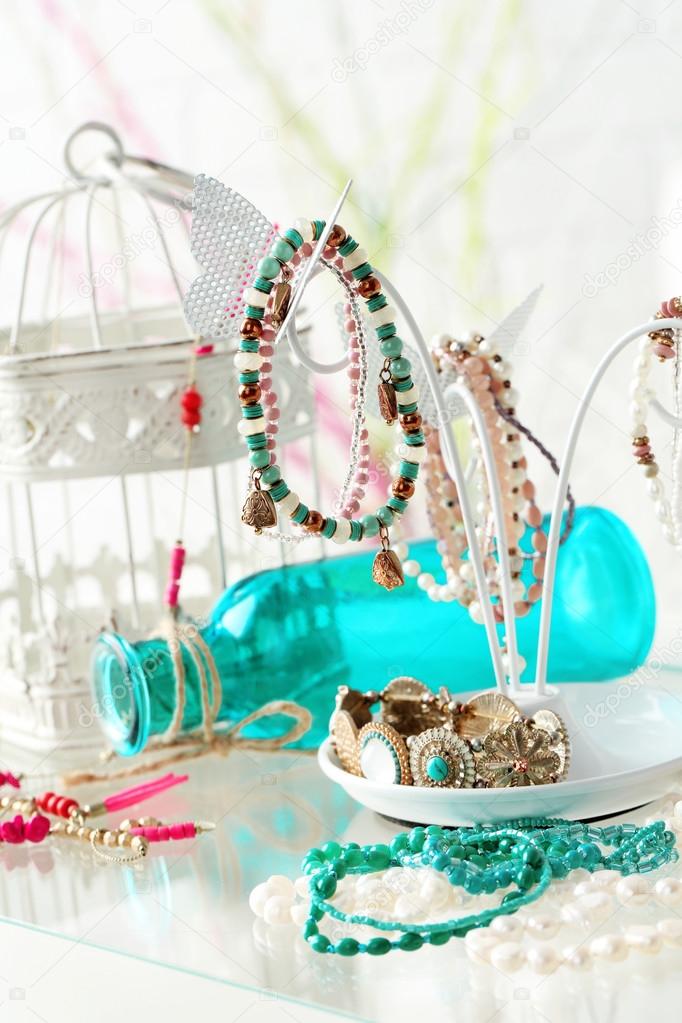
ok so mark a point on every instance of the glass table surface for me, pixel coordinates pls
(186, 906)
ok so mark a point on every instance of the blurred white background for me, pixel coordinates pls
(494, 146)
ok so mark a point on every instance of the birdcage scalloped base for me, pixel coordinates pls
(626, 751)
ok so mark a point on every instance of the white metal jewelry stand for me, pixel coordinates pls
(606, 775)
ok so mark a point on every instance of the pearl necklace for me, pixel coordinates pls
(664, 344)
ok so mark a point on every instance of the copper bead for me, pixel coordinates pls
(411, 422)
(314, 521)
(251, 328)
(368, 287)
(337, 236)
(249, 394)
(403, 488)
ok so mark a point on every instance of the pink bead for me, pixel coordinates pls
(270, 398)
(266, 367)
(641, 449)
(354, 357)
(539, 568)
(353, 372)
(189, 829)
(534, 592)
(533, 515)
(269, 334)
(364, 434)
(266, 351)
(362, 476)
(177, 831)
(474, 365)
(37, 828)
(364, 449)
(347, 308)
(528, 490)
(349, 326)
(358, 492)
(266, 383)
(539, 542)
(271, 428)
(164, 834)
(272, 413)
(307, 249)
(664, 351)
(328, 252)
(270, 444)
(353, 506)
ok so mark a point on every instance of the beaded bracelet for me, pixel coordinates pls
(398, 398)
(526, 853)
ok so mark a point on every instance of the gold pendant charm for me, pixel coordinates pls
(259, 510)
(387, 570)
(388, 400)
(280, 303)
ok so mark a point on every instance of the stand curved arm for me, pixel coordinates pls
(562, 487)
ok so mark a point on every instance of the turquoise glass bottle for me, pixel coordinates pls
(300, 631)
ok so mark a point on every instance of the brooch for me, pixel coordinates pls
(433, 740)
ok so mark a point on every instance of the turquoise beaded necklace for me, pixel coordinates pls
(527, 854)
(399, 399)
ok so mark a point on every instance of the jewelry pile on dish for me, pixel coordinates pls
(435, 741)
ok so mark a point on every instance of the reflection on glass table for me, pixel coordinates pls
(186, 906)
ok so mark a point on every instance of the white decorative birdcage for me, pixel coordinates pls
(94, 360)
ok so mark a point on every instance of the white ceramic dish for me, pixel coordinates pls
(627, 751)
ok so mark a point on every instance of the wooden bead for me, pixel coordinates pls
(337, 236)
(314, 521)
(249, 394)
(403, 488)
(411, 422)
(251, 328)
(368, 287)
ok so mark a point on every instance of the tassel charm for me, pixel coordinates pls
(281, 298)
(387, 570)
(388, 400)
(259, 510)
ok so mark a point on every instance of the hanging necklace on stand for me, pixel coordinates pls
(663, 345)
(398, 397)
(484, 372)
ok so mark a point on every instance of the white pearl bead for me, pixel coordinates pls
(435, 892)
(486, 347)
(342, 531)
(278, 884)
(252, 296)
(412, 453)
(299, 914)
(411, 568)
(632, 891)
(433, 592)
(542, 926)
(304, 228)
(302, 887)
(356, 258)
(508, 927)
(605, 879)
(584, 888)
(594, 907)
(288, 504)
(479, 944)
(542, 959)
(610, 948)
(257, 899)
(677, 808)
(248, 362)
(577, 958)
(507, 957)
(407, 908)
(671, 931)
(408, 396)
(247, 427)
(668, 891)
(425, 580)
(466, 572)
(644, 939)
(277, 910)
(380, 317)
(476, 612)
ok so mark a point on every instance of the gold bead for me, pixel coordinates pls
(109, 838)
(125, 838)
(139, 844)
(82, 831)
(148, 822)
(71, 829)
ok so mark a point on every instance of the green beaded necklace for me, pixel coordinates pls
(527, 854)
